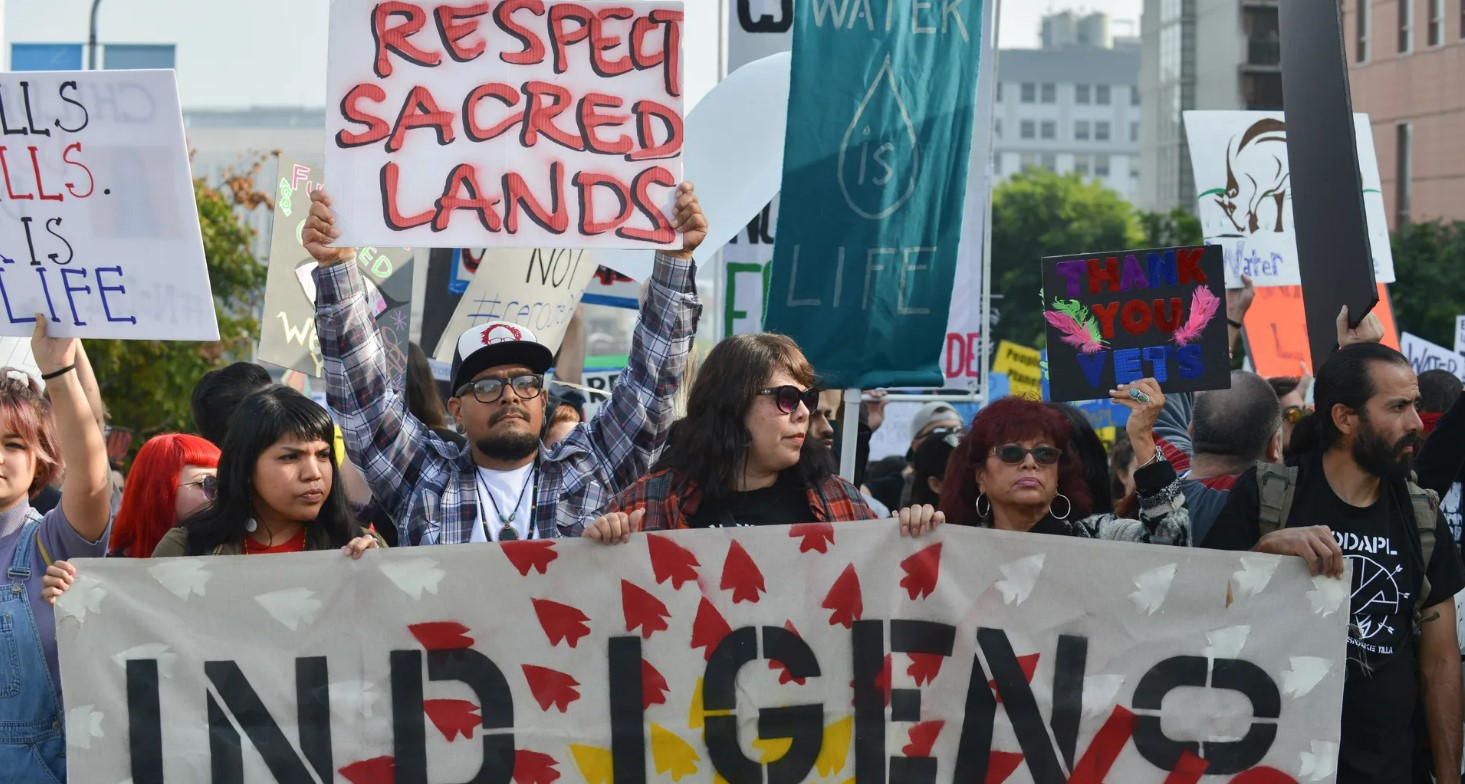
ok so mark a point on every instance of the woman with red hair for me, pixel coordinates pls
(1017, 470)
(173, 475)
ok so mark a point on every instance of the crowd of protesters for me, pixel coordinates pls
(1349, 464)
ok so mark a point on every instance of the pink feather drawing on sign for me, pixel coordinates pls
(1203, 307)
(1073, 333)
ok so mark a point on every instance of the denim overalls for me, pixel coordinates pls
(32, 745)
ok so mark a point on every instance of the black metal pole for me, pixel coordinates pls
(91, 41)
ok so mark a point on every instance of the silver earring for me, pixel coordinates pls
(1068, 510)
(988, 512)
(250, 525)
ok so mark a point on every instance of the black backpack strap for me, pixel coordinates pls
(1425, 505)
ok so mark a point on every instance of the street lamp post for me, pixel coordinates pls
(91, 41)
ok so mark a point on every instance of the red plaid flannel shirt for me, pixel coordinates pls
(832, 500)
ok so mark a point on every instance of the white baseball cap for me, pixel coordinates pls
(497, 343)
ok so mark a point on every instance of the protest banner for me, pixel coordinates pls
(538, 289)
(1245, 203)
(1023, 367)
(537, 125)
(964, 656)
(1460, 334)
(1114, 318)
(287, 331)
(1276, 330)
(612, 290)
(864, 266)
(1424, 355)
(100, 229)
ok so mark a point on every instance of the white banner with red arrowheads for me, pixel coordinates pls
(787, 654)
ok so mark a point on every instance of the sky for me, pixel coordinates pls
(1021, 19)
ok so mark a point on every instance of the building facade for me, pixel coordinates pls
(1406, 64)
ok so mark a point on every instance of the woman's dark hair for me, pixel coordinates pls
(1120, 456)
(262, 419)
(709, 447)
(1438, 391)
(931, 458)
(1092, 456)
(1007, 421)
(1346, 380)
(218, 394)
(423, 400)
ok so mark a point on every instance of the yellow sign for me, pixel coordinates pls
(1023, 366)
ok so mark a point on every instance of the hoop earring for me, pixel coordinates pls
(981, 513)
(1066, 512)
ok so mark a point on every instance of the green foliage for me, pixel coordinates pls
(1169, 229)
(146, 384)
(1430, 291)
(1038, 213)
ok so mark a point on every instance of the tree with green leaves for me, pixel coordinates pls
(1430, 291)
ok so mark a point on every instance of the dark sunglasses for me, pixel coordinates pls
(1294, 414)
(489, 390)
(209, 485)
(1012, 454)
(788, 397)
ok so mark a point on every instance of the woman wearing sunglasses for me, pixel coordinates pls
(738, 458)
(1017, 469)
(172, 476)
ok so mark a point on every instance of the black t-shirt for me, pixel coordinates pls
(785, 502)
(1382, 682)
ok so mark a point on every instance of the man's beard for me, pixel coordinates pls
(508, 446)
(1376, 456)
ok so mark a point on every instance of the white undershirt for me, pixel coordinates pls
(505, 487)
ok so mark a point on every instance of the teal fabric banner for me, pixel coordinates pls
(874, 175)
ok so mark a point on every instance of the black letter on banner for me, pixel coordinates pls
(719, 693)
(1149, 737)
(1068, 677)
(312, 699)
(975, 749)
(144, 722)
(905, 704)
(765, 23)
(627, 719)
(1021, 707)
(495, 705)
(803, 724)
(409, 723)
(1224, 757)
(867, 638)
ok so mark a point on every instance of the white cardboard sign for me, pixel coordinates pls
(538, 289)
(98, 225)
(1460, 334)
(1424, 355)
(505, 124)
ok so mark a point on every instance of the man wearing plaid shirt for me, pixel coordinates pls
(503, 485)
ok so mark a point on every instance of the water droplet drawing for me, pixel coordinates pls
(879, 157)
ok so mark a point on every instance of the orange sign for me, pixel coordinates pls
(1276, 329)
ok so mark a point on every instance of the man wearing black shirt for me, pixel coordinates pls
(1352, 500)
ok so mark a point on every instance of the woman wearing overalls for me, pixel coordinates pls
(37, 439)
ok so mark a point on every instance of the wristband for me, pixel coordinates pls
(55, 374)
(1235, 324)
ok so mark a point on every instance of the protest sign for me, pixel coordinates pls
(537, 125)
(100, 229)
(1245, 203)
(830, 652)
(538, 289)
(16, 353)
(613, 290)
(287, 331)
(1276, 330)
(864, 266)
(1023, 367)
(1114, 318)
(1424, 355)
(1460, 334)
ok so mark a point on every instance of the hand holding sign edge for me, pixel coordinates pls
(688, 220)
(320, 230)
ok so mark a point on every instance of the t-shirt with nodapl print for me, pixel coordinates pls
(785, 502)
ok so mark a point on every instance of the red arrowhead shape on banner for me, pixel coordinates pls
(924, 667)
(922, 570)
(923, 738)
(551, 687)
(882, 681)
(671, 561)
(708, 628)
(377, 770)
(653, 686)
(1188, 769)
(561, 622)
(779, 667)
(643, 610)
(844, 599)
(1106, 746)
(453, 717)
(1001, 765)
(442, 635)
(532, 767)
(527, 554)
(815, 536)
(1029, 665)
(741, 576)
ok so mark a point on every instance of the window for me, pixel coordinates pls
(1134, 96)
(1101, 95)
(1080, 93)
(1029, 92)
(1029, 160)
(1081, 130)
(1101, 166)
(1101, 131)
(1050, 92)
(1029, 130)
(1363, 12)
(1134, 132)
(1050, 129)
(1133, 169)
(997, 165)
(997, 128)
(1050, 162)
(1081, 165)
(1406, 26)
(1404, 178)
(999, 91)
(1436, 22)
(118, 57)
(45, 57)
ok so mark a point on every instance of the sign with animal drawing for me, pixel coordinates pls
(1117, 317)
(1245, 197)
